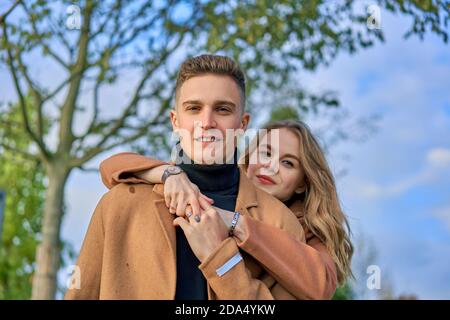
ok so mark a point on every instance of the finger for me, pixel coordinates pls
(188, 212)
(173, 205)
(183, 224)
(181, 207)
(204, 203)
(167, 200)
(196, 218)
(211, 201)
(195, 206)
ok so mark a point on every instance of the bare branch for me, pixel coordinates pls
(44, 45)
(66, 136)
(35, 92)
(62, 37)
(3, 16)
(22, 102)
(136, 97)
(89, 170)
(94, 151)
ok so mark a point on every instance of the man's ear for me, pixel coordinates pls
(245, 119)
(174, 120)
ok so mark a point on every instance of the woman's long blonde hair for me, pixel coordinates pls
(322, 211)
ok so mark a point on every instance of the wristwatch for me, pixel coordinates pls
(170, 171)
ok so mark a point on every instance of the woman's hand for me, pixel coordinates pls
(207, 234)
(240, 231)
(179, 192)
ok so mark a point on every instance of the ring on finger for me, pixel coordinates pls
(188, 214)
(197, 218)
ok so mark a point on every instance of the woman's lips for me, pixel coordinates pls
(265, 180)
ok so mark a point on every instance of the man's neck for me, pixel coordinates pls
(213, 177)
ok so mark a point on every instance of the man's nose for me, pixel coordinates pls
(208, 120)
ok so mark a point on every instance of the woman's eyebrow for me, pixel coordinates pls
(268, 146)
(291, 156)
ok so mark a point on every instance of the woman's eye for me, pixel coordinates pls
(288, 163)
(265, 153)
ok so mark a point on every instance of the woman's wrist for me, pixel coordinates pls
(240, 230)
(153, 175)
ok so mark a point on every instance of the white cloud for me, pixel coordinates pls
(437, 162)
(439, 157)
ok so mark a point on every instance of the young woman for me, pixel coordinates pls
(300, 178)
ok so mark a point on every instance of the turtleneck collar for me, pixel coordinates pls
(211, 178)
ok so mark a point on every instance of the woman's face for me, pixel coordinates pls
(276, 166)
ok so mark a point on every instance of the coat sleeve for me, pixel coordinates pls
(306, 269)
(88, 269)
(226, 273)
(120, 168)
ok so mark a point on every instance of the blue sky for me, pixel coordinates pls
(397, 190)
(397, 187)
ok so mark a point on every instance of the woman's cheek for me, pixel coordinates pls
(251, 171)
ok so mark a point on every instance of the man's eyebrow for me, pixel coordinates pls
(225, 102)
(189, 102)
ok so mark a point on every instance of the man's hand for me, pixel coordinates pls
(207, 234)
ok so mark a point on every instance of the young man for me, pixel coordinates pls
(133, 248)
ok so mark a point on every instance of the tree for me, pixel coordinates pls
(24, 181)
(101, 41)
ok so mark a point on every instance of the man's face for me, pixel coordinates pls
(207, 107)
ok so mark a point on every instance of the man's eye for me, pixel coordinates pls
(193, 108)
(223, 109)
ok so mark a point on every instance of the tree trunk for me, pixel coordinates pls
(48, 252)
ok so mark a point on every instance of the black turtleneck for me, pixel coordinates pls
(220, 183)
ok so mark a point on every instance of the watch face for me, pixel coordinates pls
(174, 170)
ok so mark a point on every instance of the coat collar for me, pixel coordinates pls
(246, 197)
(297, 208)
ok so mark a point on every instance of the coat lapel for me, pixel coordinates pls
(165, 219)
(246, 198)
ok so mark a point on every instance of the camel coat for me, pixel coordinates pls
(306, 270)
(129, 250)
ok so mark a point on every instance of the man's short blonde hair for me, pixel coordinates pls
(214, 64)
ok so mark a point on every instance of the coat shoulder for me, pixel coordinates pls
(274, 211)
(127, 198)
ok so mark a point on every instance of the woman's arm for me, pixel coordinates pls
(306, 270)
(128, 167)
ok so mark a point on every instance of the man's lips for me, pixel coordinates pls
(265, 179)
(207, 140)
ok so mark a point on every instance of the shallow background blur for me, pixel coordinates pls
(387, 137)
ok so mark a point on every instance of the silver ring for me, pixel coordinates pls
(188, 214)
(197, 218)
